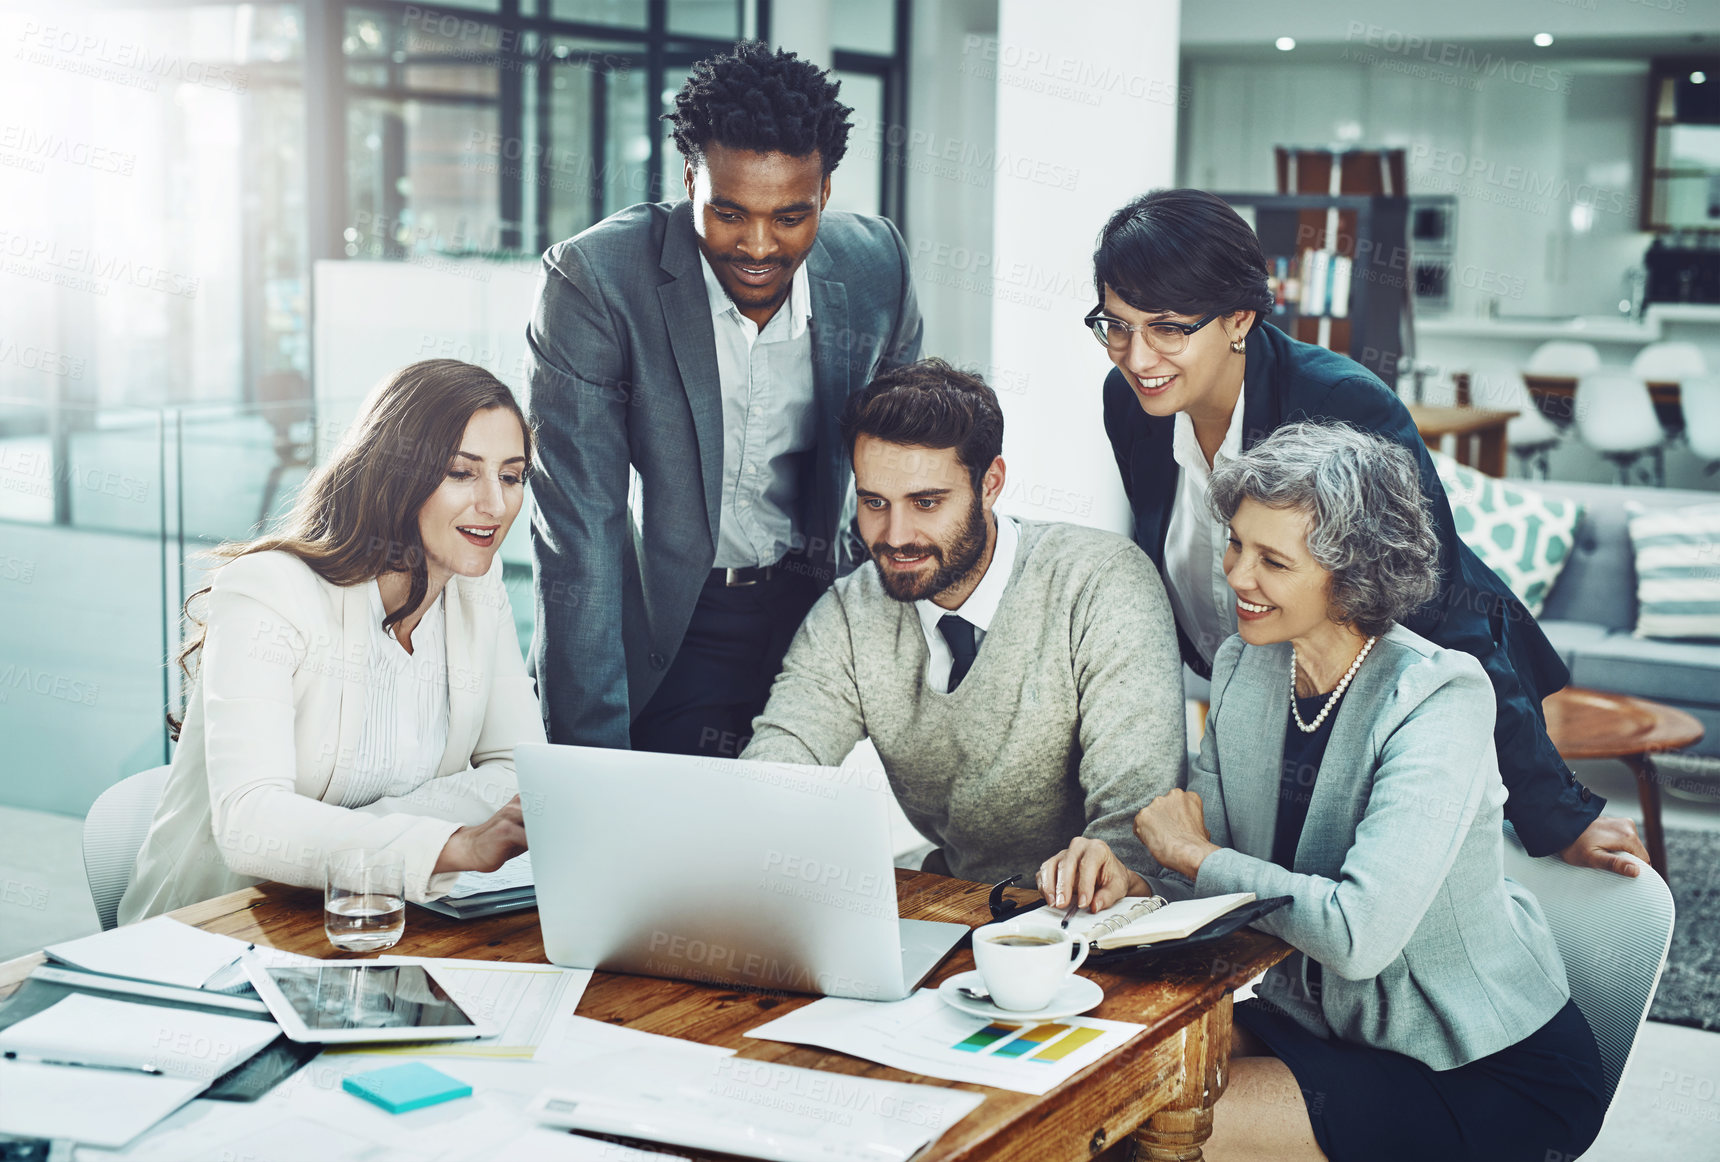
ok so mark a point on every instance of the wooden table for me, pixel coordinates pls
(1484, 428)
(1160, 1087)
(1590, 724)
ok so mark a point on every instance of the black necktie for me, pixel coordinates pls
(959, 633)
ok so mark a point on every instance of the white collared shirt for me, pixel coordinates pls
(978, 610)
(768, 420)
(405, 707)
(1201, 599)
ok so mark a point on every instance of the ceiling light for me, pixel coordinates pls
(1543, 39)
(1698, 77)
(1285, 43)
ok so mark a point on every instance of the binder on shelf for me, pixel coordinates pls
(1339, 305)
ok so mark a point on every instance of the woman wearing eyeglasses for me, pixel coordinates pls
(1200, 378)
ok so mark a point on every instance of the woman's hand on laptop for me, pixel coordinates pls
(1088, 873)
(485, 846)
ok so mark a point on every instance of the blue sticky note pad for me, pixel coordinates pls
(399, 1088)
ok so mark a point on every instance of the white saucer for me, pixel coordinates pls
(1077, 995)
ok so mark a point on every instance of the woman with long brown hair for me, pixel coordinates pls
(356, 680)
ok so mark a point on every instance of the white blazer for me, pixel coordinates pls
(272, 729)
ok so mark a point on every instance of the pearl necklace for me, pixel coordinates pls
(1343, 684)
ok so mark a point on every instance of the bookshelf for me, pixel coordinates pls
(1315, 244)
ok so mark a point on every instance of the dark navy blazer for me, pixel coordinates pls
(1287, 381)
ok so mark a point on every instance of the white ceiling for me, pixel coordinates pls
(1580, 27)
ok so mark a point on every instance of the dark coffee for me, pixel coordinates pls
(1023, 940)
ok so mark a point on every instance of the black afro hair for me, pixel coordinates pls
(761, 100)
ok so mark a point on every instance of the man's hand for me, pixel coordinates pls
(1088, 873)
(1599, 845)
(485, 846)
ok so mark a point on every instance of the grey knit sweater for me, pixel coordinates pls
(1070, 721)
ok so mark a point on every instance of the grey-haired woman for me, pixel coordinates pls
(1348, 763)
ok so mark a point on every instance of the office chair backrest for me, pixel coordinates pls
(1612, 934)
(1563, 357)
(1615, 412)
(114, 830)
(1699, 400)
(1668, 362)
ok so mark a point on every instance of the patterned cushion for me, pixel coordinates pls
(1677, 571)
(1520, 534)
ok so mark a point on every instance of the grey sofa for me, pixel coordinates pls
(1591, 612)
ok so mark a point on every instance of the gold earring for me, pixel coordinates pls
(1239, 345)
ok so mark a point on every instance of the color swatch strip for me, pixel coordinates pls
(1033, 1039)
(1077, 1037)
(989, 1035)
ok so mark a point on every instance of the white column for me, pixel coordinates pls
(1087, 99)
(803, 28)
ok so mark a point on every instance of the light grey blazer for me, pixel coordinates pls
(1398, 889)
(622, 365)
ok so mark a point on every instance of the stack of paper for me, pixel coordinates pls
(309, 1116)
(756, 1109)
(924, 1035)
(101, 1071)
(164, 950)
(510, 888)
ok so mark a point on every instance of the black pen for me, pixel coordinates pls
(1072, 906)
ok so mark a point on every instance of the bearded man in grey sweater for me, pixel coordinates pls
(1020, 679)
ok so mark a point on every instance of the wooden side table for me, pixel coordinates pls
(1483, 428)
(1590, 724)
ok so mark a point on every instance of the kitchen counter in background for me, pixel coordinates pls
(1456, 343)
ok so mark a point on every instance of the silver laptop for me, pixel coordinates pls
(724, 871)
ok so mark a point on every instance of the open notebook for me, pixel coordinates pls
(1137, 920)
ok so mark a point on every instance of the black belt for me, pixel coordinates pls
(744, 576)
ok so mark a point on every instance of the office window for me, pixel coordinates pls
(858, 184)
(620, 13)
(864, 26)
(716, 19)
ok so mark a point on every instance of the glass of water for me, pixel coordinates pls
(364, 901)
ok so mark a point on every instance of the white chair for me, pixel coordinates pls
(1668, 363)
(1615, 417)
(114, 830)
(1700, 398)
(1563, 358)
(1613, 967)
(1531, 435)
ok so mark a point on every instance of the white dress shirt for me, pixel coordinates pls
(1201, 599)
(978, 610)
(406, 708)
(768, 421)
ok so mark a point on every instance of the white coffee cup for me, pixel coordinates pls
(1024, 964)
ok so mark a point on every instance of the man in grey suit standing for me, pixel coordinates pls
(709, 346)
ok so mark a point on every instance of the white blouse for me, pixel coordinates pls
(406, 708)
(1201, 599)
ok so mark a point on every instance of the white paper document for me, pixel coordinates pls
(103, 1107)
(756, 1109)
(516, 873)
(924, 1035)
(581, 1039)
(530, 1005)
(159, 948)
(310, 1118)
(102, 1071)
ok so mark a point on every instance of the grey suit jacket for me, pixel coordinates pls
(622, 366)
(1398, 893)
